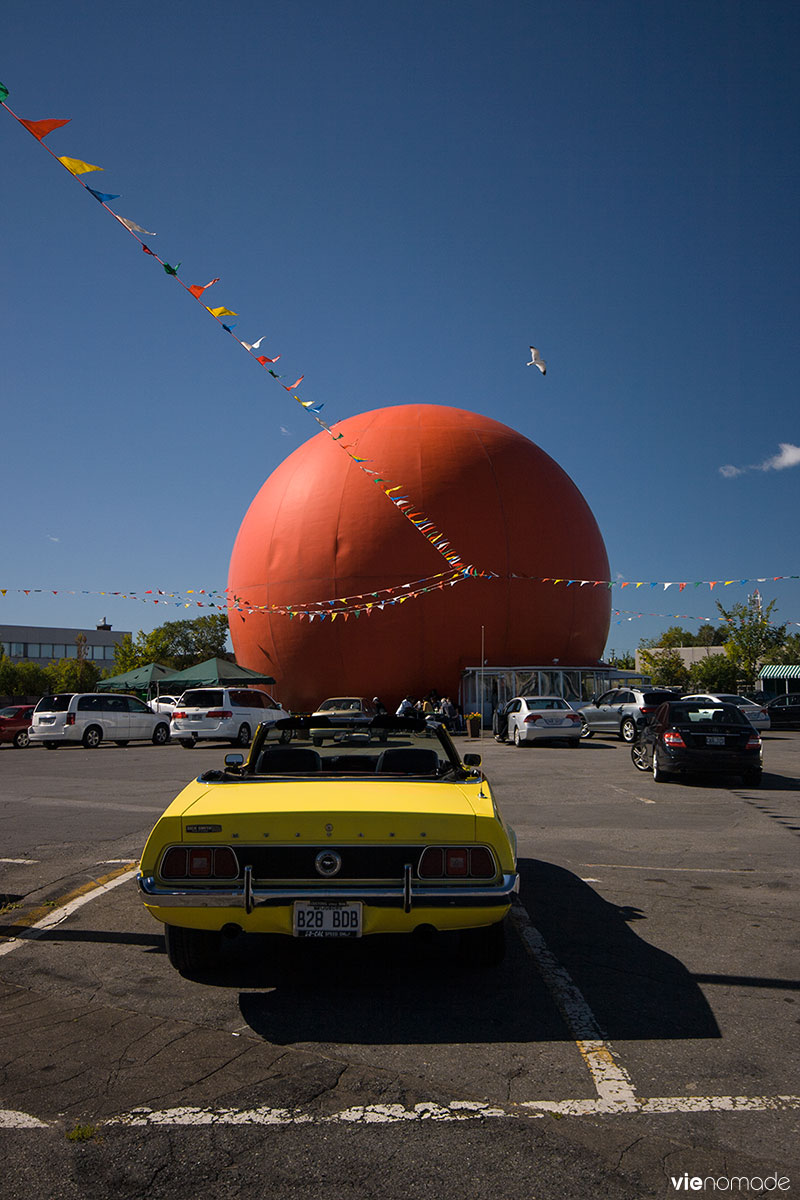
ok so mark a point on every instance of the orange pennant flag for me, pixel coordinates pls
(40, 129)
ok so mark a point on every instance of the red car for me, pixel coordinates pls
(15, 721)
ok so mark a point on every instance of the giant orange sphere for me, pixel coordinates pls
(320, 529)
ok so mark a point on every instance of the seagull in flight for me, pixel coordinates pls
(537, 361)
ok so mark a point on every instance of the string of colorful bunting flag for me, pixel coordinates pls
(380, 598)
(402, 502)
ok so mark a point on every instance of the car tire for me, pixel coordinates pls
(627, 730)
(160, 734)
(484, 947)
(188, 743)
(285, 737)
(517, 738)
(92, 737)
(752, 779)
(639, 756)
(190, 950)
(22, 739)
(51, 745)
(317, 741)
(243, 737)
(586, 732)
(659, 776)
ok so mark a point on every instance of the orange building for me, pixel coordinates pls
(321, 530)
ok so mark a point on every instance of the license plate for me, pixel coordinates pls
(327, 918)
(715, 741)
(553, 721)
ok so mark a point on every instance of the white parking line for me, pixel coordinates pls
(60, 914)
(26, 861)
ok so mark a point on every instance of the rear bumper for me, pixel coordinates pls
(406, 896)
(689, 763)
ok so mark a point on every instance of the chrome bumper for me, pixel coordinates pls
(406, 896)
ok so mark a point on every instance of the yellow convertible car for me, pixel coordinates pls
(381, 830)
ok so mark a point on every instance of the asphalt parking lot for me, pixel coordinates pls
(642, 1029)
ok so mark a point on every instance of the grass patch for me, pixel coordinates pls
(84, 1133)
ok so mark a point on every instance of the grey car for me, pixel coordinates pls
(620, 710)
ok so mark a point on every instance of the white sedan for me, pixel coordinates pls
(532, 719)
(755, 713)
(164, 704)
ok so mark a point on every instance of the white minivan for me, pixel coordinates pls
(223, 714)
(93, 717)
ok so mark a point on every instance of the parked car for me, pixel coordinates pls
(348, 841)
(222, 714)
(353, 711)
(164, 704)
(529, 719)
(620, 710)
(784, 711)
(93, 717)
(693, 737)
(15, 722)
(756, 714)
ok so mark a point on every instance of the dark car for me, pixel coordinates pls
(686, 737)
(784, 711)
(15, 721)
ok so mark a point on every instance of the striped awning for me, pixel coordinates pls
(780, 671)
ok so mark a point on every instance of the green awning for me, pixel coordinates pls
(780, 671)
(139, 677)
(215, 672)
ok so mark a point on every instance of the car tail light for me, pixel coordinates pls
(537, 716)
(178, 716)
(573, 716)
(199, 862)
(431, 865)
(70, 719)
(673, 738)
(456, 862)
(753, 742)
(219, 714)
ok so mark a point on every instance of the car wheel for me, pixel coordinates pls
(317, 741)
(627, 730)
(639, 756)
(120, 743)
(752, 779)
(51, 745)
(92, 737)
(22, 739)
(286, 737)
(243, 737)
(190, 950)
(517, 738)
(188, 743)
(161, 735)
(484, 947)
(586, 732)
(659, 776)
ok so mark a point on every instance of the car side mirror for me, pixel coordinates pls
(472, 760)
(234, 761)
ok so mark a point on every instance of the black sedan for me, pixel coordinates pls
(697, 738)
(784, 711)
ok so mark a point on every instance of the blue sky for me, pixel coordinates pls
(402, 197)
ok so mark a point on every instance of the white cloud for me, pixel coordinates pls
(787, 456)
(286, 432)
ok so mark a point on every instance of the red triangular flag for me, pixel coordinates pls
(40, 129)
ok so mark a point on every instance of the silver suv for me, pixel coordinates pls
(620, 710)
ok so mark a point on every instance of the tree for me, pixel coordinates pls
(666, 668)
(626, 661)
(71, 675)
(176, 644)
(714, 673)
(751, 635)
(789, 652)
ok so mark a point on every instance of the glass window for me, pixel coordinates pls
(6, 647)
(136, 706)
(17, 650)
(72, 652)
(97, 651)
(46, 650)
(108, 653)
(59, 650)
(32, 650)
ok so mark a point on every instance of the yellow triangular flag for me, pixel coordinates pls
(78, 167)
(221, 312)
